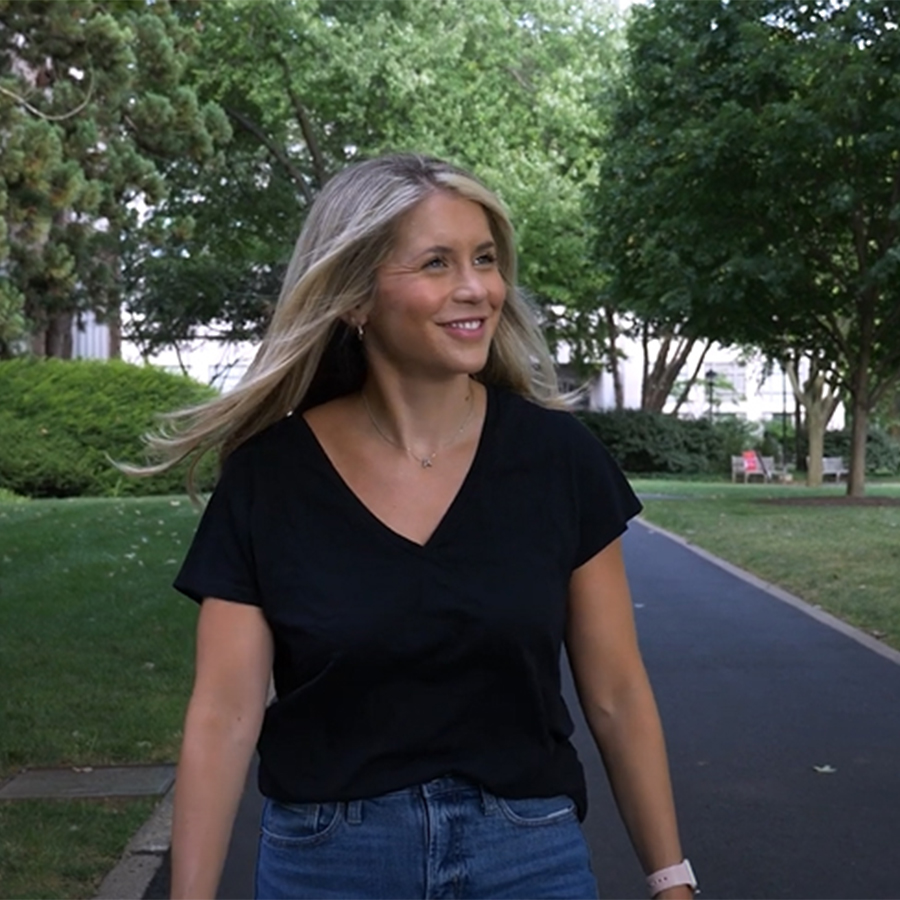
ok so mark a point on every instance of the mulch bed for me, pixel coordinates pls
(839, 500)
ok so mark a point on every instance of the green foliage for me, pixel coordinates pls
(510, 88)
(12, 315)
(63, 422)
(778, 438)
(749, 187)
(92, 104)
(645, 442)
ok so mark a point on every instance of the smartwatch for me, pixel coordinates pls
(672, 876)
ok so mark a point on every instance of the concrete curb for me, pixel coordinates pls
(144, 854)
(778, 593)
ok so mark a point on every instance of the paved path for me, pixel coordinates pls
(754, 694)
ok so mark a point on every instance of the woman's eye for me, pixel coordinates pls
(436, 263)
(486, 259)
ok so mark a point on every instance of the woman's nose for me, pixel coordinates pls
(470, 286)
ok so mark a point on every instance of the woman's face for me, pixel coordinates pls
(439, 294)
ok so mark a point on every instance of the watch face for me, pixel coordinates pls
(690, 874)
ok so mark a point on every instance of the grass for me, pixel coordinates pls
(96, 663)
(843, 558)
(64, 848)
(96, 650)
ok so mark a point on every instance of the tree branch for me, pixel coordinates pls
(295, 174)
(46, 116)
(312, 143)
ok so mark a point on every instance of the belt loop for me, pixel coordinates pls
(354, 812)
(488, 801)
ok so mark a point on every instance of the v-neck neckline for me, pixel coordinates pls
(450, 512)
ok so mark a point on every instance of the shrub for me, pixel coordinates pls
(646, 442)
(62, 421)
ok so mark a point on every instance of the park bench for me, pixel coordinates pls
(748, 465)
(751, 464)
(833, 466)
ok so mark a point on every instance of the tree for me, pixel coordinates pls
(753, 181)
(91, 101)
(507, 87)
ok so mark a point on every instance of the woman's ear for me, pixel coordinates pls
(356, 321)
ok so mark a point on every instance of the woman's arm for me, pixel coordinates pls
(224, 716)
(618, 704)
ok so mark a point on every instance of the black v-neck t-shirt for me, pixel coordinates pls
(395, 662)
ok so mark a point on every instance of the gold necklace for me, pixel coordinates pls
(425, 462)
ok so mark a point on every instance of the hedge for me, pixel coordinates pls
(62, 421)
(647, 442)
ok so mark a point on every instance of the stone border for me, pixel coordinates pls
(144, 854)
(778, 593)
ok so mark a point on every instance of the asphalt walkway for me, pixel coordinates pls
(783, 733)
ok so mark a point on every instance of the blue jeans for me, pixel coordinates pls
(447, 838)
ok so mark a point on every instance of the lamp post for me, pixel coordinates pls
(710, 390)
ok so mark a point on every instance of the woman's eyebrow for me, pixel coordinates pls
(441, 248)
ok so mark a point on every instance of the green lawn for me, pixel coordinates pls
(64, 848)
(96, 650)
(96, 659)
(844, 558)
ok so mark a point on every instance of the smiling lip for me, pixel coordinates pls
(465, 327)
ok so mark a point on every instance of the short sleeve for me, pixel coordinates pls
(220, 562)
(604, 498)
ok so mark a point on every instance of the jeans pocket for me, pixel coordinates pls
(291, 824)
(537, 810)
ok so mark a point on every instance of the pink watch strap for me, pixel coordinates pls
(670, 877)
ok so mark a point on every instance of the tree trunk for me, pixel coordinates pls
(856, 482)
(816, 423)
(612, 332)
(659, 380)
(690, 382)
(55, 338)
(859, 413)
(819, 401)
(114, 324)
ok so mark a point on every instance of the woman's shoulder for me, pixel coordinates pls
(553, 422)
(265, 449)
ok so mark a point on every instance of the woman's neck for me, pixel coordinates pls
(422, 418)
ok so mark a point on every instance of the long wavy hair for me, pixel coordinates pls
(309, 355)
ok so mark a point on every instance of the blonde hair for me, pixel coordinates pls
(309, 355)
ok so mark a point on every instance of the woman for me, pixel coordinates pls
(407, 526)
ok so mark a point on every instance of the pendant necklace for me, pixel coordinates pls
(426, 462)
